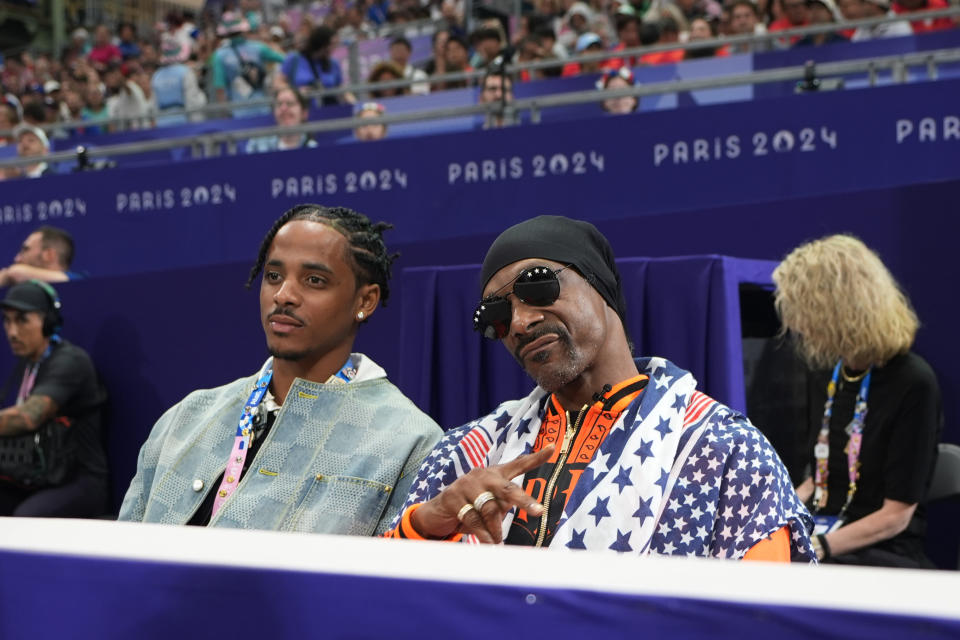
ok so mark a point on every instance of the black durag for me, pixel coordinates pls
(569, 242)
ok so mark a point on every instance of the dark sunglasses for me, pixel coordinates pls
(535, 286)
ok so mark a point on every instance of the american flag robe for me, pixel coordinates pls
(678, 474)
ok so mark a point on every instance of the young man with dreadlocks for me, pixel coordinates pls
(318, 440)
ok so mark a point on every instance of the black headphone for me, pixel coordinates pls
(52, 318)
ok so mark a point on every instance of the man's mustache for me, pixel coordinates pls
(539, 332)
(285, 312)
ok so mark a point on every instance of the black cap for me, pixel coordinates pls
(27, 296)
(565, 241)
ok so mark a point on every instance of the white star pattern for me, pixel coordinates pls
(663, 382)
(710, 510)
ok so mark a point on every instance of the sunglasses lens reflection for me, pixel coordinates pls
(540, 291)
(537, 287)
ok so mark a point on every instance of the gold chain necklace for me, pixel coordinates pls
(843, 372)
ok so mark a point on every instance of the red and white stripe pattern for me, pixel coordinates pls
(699, 408)
(475, 446)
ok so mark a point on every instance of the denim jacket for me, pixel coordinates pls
(340, 458)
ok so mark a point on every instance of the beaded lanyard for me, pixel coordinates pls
(822, 450)
(241, 445)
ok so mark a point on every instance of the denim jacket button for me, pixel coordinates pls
(198, 485)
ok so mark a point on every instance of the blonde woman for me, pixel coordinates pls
(873, 446)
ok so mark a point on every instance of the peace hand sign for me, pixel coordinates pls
(477, 502)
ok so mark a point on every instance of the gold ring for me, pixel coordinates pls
(483, 499)
(464, 510)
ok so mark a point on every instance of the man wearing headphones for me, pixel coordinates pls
(58, 389)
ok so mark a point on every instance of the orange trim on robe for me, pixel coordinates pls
(776, 548)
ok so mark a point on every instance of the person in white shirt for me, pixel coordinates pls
(400, 50)
(31, 141)
(862, 9)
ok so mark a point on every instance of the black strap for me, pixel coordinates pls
(243, 62)
(313, 68)
(609, 401)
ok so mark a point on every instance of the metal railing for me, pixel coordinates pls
(219, 109)
(209, 144)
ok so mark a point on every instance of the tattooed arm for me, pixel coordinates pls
(28, 416)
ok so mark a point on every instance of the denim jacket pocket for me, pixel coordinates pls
(340, 504)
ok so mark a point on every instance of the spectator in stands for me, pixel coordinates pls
(586, 44)
(45, 255)
(290, 108)
(873, 450)
(79, 45)
(9, 119)
(437, 64)
(125, 100)
(628, 34)
(822, 12)
(53, 89)
(141, 77)
(456, 59)
(529, 49)
(128, 46)
(16, 77)
(863, 9)
(104, 52)
(643, 436)
(551, 46)
(924, 25)
(149, 56)
(370, 132)
(576, 23)
(496, 90)
(175, 84)
(487, 44)
(251, 10)
(669, 34)
(745, 20)
(355, 27)
(386, 72)
(325, 271)
(796, 14)
(400, 50)
(32, 142)
(377, 11)
(34, 112)
(52, 117)
(72, 107)
(618, 79)
(693, 9)
(239, 67)
(314, 67)
(182, 27)
(60, 395)
(277, 38)
(94, 108)
(703, 29)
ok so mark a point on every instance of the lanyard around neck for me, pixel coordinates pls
(245, 431)
(238, 455)
(30, 373)
(822, 449)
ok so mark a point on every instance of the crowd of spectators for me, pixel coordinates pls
(253, 50)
